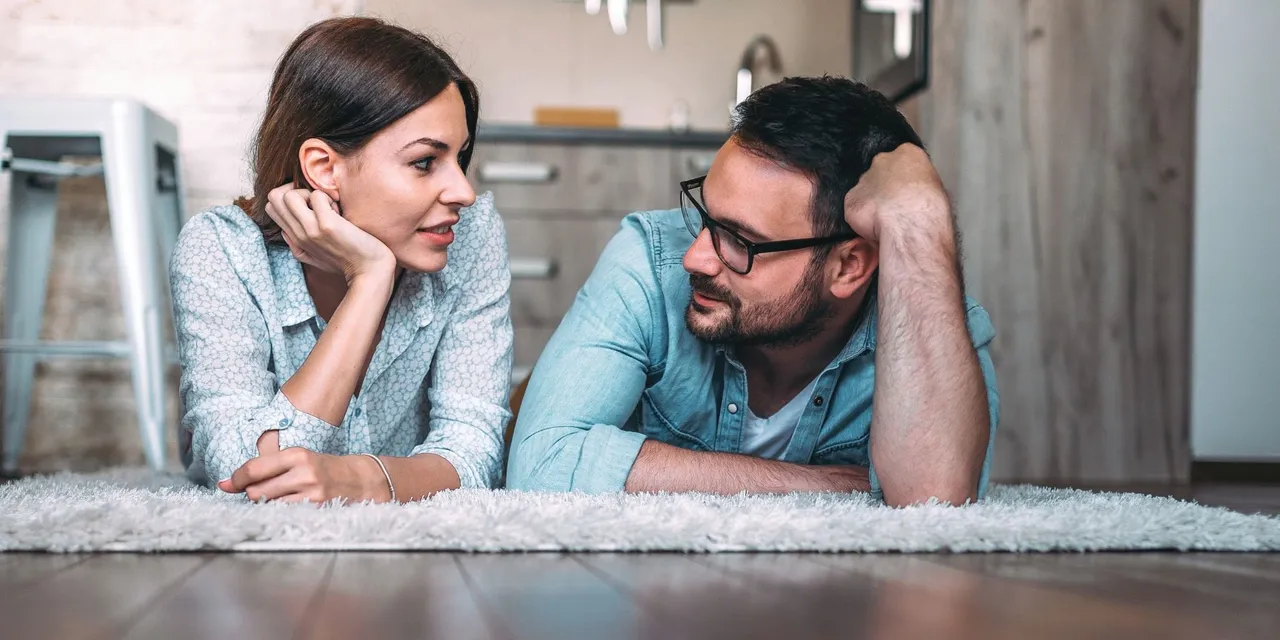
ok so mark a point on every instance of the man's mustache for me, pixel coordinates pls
(705, 286)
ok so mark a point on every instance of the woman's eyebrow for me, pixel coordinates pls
(431, 142)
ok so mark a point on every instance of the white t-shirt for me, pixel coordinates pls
(769, 437)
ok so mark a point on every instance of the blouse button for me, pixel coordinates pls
(733, 408)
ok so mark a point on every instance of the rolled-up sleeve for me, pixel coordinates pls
(229, 395)
(471, 370)
(590, 377)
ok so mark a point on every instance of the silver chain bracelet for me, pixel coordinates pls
(390, 486)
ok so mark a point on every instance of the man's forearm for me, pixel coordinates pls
(663, 467)
(930, 423)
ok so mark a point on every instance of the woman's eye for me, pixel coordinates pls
(424, 165)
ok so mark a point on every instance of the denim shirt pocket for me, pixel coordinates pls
(850, 451)
(657, 425)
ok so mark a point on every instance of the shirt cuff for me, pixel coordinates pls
(608, 453)
(300, 429)
(877, 493)
(468, 476)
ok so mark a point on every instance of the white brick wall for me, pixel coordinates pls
(206, 65)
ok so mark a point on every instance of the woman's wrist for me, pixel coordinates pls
(381, 271)
(379, 276)
(374, 484)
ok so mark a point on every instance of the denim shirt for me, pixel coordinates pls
(622, 367)
(438, 382)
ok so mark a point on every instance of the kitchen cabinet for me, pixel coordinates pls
(562, 202)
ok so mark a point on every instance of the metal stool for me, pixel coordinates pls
(141, 170)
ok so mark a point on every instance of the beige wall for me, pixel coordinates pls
(526, 53)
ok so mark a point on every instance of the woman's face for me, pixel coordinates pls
(405, 187)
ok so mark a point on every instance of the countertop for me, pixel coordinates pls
(528, 133)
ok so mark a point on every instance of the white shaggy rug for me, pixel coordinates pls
(134, 510)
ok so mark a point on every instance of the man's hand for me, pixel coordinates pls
(899, 183)
(297, 474)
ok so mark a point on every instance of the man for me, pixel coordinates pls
(740, 343)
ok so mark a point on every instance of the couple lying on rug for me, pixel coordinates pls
(345, 332)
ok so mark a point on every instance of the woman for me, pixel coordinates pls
(327, 350)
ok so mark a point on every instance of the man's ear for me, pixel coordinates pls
(321, 166)
(851, 266)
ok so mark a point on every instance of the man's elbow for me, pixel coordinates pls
(953, 491)
(530, 470)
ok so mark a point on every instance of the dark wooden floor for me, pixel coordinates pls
(446, 595)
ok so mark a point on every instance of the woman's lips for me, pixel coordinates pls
(436, 238)
(440, 234)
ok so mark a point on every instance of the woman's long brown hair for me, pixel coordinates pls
(342, 80)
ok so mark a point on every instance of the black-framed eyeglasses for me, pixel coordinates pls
(736, 252)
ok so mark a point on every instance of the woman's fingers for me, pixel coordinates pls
(287, 234)
(298, 252)
(303, 496)
(299, 208)
(279, 213)
(257, 470)
(323, 206)
(278, 487)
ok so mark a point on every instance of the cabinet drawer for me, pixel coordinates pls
(575, 180)
(528, 345)
(572, 246)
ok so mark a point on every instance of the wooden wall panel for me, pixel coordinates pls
(1064, 130)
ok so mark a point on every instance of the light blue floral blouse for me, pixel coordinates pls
(439, 381)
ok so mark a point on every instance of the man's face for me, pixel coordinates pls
(782, 300)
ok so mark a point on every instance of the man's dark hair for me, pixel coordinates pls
(828, 129)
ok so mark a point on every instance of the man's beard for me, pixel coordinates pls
(788, 322)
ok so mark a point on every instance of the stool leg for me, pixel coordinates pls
(168, 203)
(169, 219)
(32, 215)
(129, 159)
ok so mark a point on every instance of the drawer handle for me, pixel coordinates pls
(533, 268)
(518, 172)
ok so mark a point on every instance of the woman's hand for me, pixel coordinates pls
(297, 474)
(319, 236)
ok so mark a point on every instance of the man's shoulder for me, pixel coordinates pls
(661, 233)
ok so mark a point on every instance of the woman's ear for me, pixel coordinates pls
(851, 266)
(321, 166)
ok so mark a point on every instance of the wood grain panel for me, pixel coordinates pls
(1064, 132)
